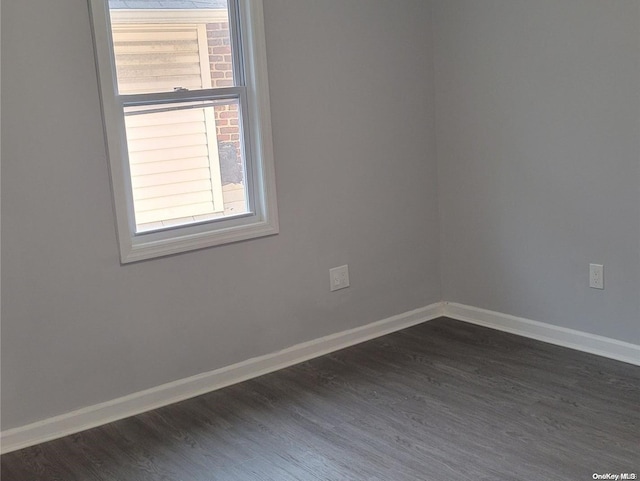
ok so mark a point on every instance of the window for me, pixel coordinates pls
(187, 123)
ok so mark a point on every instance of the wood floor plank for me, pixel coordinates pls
(442, 400)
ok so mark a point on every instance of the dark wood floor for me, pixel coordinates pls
(441, 401)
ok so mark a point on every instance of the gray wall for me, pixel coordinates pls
(538, 140)
(538, 144)
(352, 120)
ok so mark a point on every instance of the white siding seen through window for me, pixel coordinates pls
(173, 155)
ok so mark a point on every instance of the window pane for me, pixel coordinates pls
(186, 161)
(163, 45)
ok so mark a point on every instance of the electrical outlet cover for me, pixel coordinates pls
(596, 276)
(339, 278)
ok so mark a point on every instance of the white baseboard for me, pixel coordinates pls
(136, 403)
(120, 408)
(561, 336)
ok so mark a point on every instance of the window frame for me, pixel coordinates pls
(262, 220)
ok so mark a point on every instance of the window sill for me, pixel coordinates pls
(176, 241)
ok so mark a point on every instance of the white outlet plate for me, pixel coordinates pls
(596, 276)
(339, 278)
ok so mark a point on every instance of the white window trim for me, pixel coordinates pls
(258, 148)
